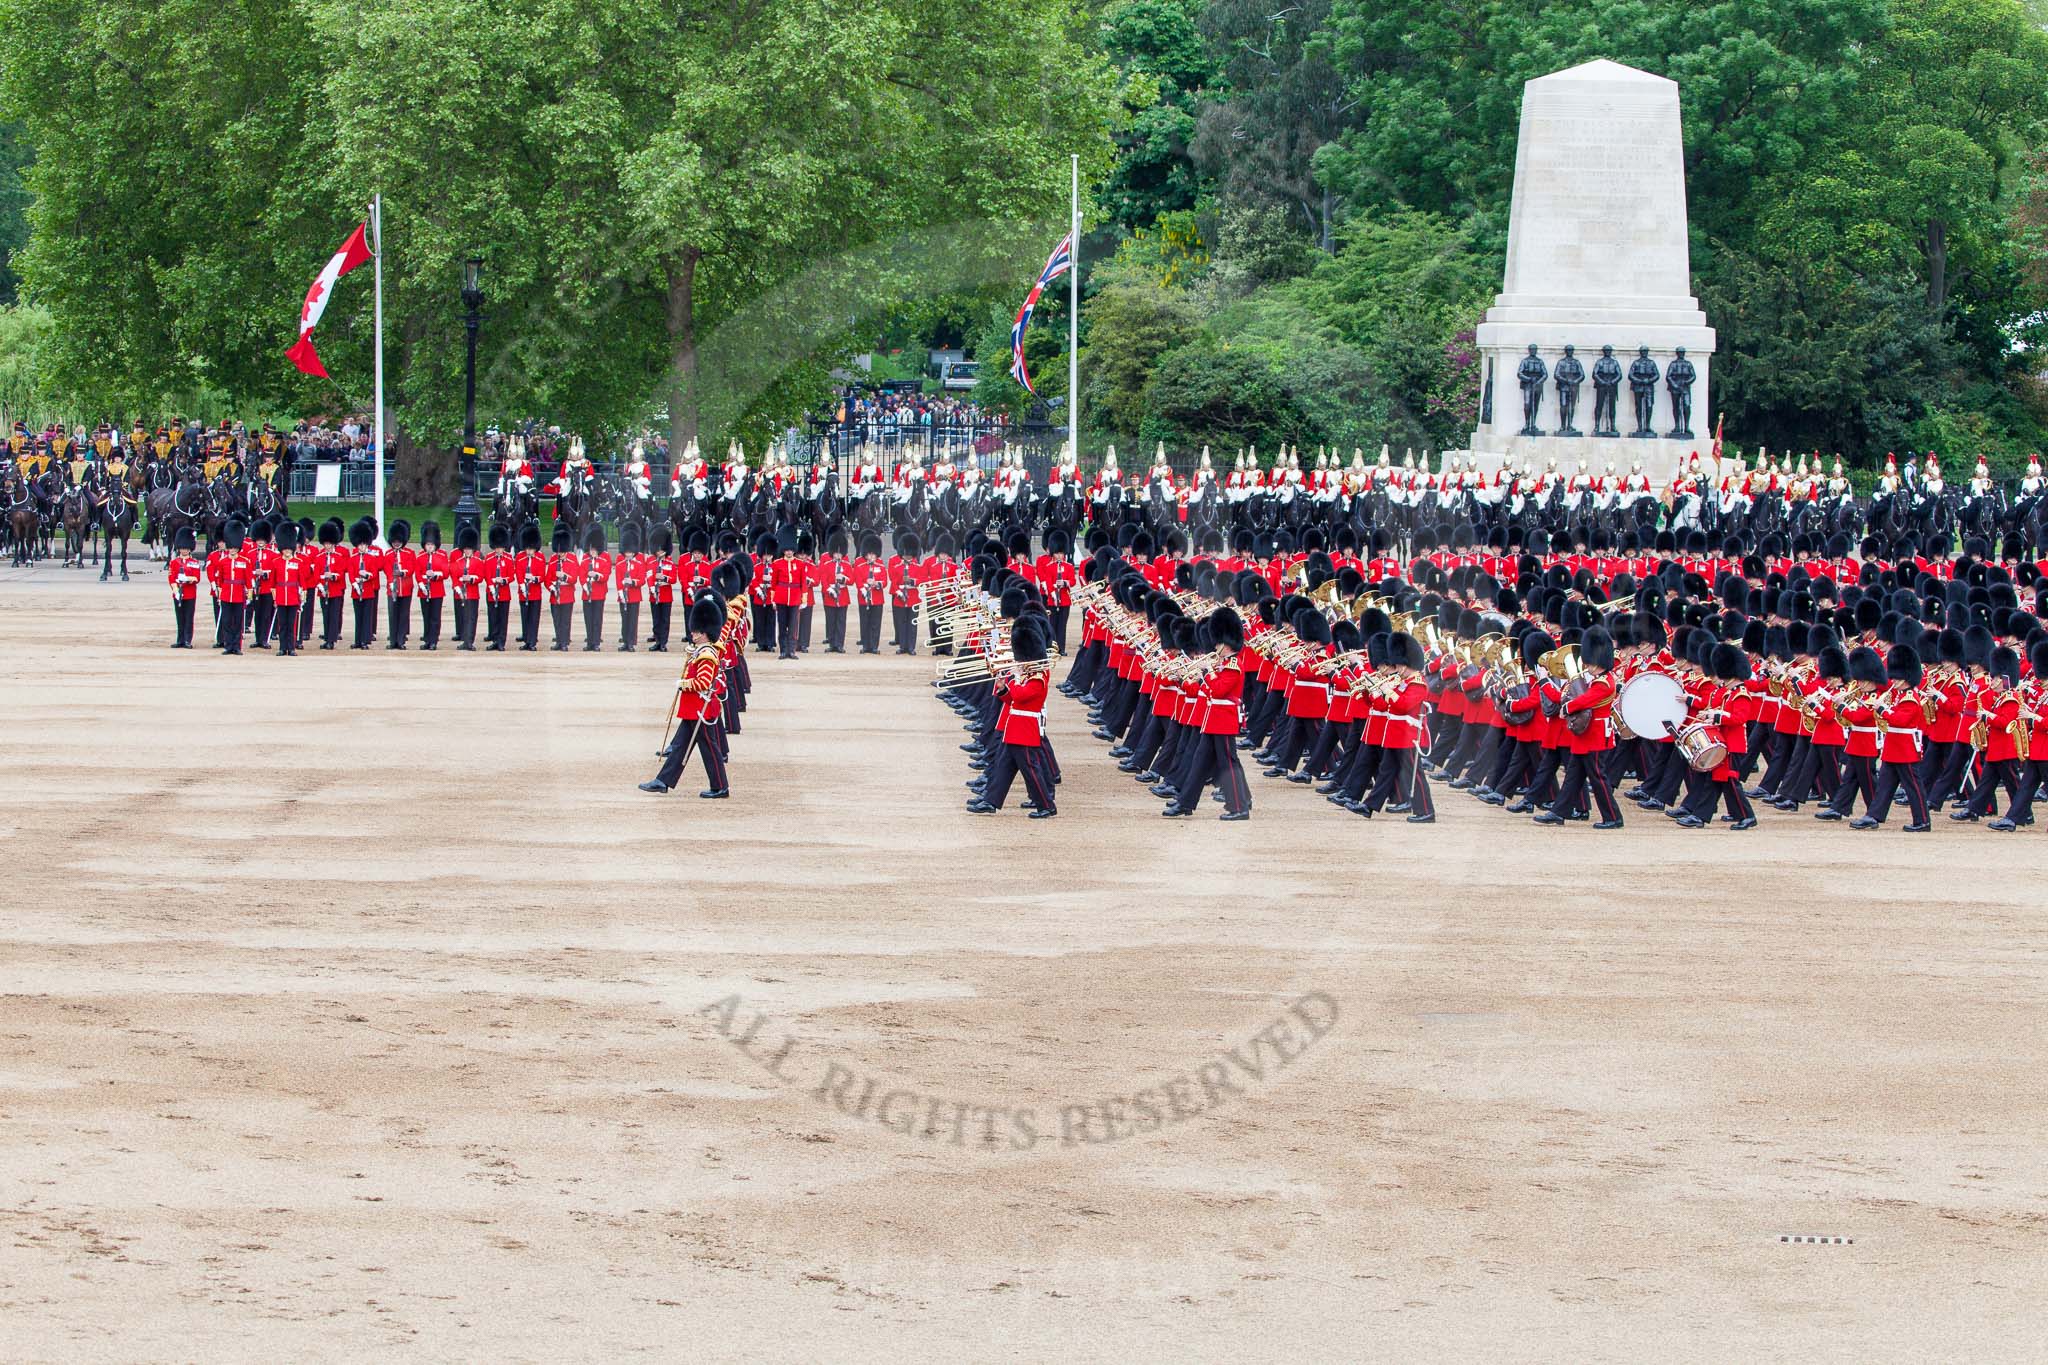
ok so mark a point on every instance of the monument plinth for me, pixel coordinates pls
(1598, 256)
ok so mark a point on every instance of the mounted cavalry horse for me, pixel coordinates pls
(113, 518)
(18, 507)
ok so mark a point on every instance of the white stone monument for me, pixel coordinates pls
(1597, 256)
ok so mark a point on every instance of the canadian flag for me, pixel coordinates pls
(354, 252)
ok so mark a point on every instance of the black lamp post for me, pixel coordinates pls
(467, 513)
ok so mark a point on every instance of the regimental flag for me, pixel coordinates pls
(1056, 265)
(354, 252)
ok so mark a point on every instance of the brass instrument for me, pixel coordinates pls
(1562, 663)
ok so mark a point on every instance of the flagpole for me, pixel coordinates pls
(377, 258)
(1074, 319)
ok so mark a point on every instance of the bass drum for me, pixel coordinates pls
(1647, 704)
(1700, 745)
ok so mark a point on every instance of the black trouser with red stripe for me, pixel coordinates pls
(1581, 773)
(365, 611)
(2003, 772)
(2030, 774)
(785, 629)
(430, 622)
(399, 614)
(1944, 770)
(1010, 760)
(231, 616)
(1401, 779)
(706, 744)
(1859, 778)
(1215, 760)
(1890, 779)
(183, 609)
(263, 615)
(1707, 792)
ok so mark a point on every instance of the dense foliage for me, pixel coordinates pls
(1297, 213)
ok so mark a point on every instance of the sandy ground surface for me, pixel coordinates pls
(358, 1006)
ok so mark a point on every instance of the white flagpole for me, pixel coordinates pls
(377, 422)
(1074, 319)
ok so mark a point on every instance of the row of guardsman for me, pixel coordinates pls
(1556, 686)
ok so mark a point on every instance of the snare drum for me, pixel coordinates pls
(1701, 746)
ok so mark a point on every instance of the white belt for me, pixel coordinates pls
(1866, 730)
(1320, 686)
(1034, 715)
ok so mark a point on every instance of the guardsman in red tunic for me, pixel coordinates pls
(1407, 707)
(565, 575)
(870, 591)
(184, 574)
(529, 584)
(834, 579)
(1220, 719)
(2030, 740)
(366, 573)
(233, 578)
(1902, 744)
(698, 704)
(1023, 725)
(1853, 712)
(788, 585)
(903, 579)
(466, 586)
(292, 578)
(437, 568)
(807, 557)
(402, 576)
(630, 574)
(664, 569)
(1995, 708)
(337, 564)
(496, 568)
(1592, 696)
(597, 578)
(1057, 576)
(262, 582)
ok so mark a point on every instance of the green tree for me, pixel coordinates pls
(1281, 98)
(681, 208)
(1163, 64)
(14, 155)
(1132, 322)
(1224, 397)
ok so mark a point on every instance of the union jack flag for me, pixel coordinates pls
(1056, 265)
